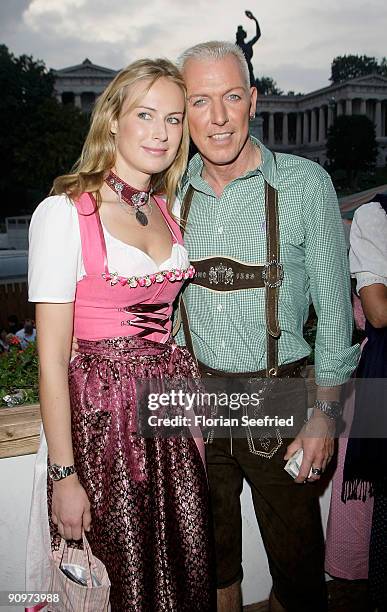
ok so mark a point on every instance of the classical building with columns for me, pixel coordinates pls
(299, 124)
(294, 124)
(82, 84)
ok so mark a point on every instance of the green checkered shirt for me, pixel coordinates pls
(228, 328)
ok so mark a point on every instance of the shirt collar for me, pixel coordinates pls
(268, 169)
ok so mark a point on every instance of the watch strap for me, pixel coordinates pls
(59, 472)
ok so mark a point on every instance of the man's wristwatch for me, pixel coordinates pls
(58, 472)
(333, 410)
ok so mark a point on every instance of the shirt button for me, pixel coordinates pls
(220, 230)
(219, 307)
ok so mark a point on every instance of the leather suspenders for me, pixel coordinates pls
(231, 275)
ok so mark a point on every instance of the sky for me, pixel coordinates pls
(299, 37)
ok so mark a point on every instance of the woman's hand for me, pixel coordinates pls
(70, 508)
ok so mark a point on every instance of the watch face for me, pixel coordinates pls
(55, 472)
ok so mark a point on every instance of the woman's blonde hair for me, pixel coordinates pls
(99, 150)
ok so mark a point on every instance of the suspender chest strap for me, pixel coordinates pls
(227, 274)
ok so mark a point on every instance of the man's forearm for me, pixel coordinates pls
(328, 394)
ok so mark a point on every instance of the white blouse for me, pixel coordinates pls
(368, 252)
(55, 262)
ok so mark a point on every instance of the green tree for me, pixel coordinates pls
(39, 138)
(345, 67)
(352, 145)
(267, 86)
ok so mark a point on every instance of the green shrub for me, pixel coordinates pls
(19, 371)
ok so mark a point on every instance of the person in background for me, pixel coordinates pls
(13, 324)
(27, 334)
(357, 547)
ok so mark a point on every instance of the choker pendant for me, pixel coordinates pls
(141, 217)
(130, 198)
(139, 200)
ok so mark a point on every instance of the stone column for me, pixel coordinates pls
(77, 100)
(313, 126)
(256, 127)
(271, 129)
(339, 109)
(363, 107)
(285, 129)
(321, 125)
(348, 107)
(306, 128)
(298, 129)
(378, 118)
(330, 116)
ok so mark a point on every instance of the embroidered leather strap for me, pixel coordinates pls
(226, 274)
(273, 279)
(271, 276)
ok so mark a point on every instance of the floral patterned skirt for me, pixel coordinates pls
(148, 496)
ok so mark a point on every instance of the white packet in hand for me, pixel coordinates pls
(293, 465)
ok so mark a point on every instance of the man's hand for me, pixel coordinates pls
(74, 348)
(316, 438)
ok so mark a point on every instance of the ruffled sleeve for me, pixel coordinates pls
(368, 252)
(55, 253)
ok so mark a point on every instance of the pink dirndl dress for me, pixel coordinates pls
(149, 496)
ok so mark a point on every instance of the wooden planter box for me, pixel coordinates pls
(19, 430)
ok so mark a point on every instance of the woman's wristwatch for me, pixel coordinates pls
(333, 410)
(58, 472)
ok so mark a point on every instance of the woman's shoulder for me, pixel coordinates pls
(175, 208)
(55, 215)
(60, 206)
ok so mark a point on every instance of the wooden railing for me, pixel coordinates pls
(20, 426)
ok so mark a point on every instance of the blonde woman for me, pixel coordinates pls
(106, 263)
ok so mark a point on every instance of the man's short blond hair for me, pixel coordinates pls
(215, 50)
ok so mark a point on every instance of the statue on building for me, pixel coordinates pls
(247, 47)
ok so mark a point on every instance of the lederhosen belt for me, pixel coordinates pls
(226, 274)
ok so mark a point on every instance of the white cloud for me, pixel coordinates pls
(299, 38)
(40, 8)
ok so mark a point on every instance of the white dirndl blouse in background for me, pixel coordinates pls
(368, 252)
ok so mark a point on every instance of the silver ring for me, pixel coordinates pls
(316, 471)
